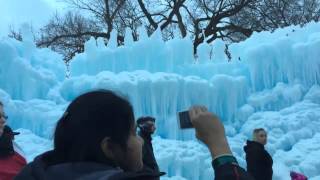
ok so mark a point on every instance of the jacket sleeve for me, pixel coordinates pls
(259, 159)
(231, 171)
(149, 160)
(267, 159)
(25, 174)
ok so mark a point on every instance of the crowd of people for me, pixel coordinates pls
(96, 139)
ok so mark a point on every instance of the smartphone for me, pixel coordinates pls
(184, 120)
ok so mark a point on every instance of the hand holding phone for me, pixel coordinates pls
(210, 130)
(184, 120)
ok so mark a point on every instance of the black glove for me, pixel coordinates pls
(145, 128)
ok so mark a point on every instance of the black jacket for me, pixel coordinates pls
(39, 170)
(231, 172)
(149, 160)
(259, 161)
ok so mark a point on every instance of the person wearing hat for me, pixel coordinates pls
(147, 127)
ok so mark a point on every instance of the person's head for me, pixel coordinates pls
(3, 118)
(260, 136)
(99, 126)
(147, 124)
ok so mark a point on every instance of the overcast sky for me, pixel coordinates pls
(17, 12)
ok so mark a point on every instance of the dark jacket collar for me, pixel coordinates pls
(253, 144)
(40, 170)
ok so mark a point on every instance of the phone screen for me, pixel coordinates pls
(184, 120)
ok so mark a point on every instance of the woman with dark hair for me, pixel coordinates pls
(95, 136)
(96, 140)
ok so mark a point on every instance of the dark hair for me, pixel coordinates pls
(87, 121)
(145, 119)
(256, 131)
(1, 104)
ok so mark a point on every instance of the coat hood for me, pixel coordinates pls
(251, 145)
(40, 170)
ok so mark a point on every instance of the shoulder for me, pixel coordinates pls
(25, 173)
(20, 159)
(119, 174)
(231, 171)
(136, 176)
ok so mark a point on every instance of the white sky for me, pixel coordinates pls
(17, 12)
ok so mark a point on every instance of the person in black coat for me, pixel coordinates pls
(259, 161)
(146, 128)
(96, 139)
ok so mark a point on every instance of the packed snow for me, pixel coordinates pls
(272, 81)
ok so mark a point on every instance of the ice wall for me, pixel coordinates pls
(269, 71)
(293, 135)
(288, 55)
(163, 95)
(271, 82)
(150, 54)
(38, 115)
(27, 72)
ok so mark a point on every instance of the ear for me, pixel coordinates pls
(107, 148)
(254, 137)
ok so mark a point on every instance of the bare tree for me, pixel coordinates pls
(166, 13)
(203, 20)
(103, 11)
(128, 17)
(67, 34)
(15, 34)
(272, 14)
(210, 19)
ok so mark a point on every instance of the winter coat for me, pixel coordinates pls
(259, 161)
(11, 165)
(149, 161)
(231, 172)
(40, 170)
